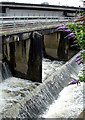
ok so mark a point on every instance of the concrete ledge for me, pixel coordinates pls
(82, 115)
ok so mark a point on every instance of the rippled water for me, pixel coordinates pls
(69, 103)
(14, 90)
(49, 67)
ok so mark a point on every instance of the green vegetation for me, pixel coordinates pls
(78, 28)
(77, 32)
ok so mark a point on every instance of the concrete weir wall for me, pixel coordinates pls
(24, 52)
(38, 100)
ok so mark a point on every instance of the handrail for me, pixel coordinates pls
(14, 23)
(31, 17)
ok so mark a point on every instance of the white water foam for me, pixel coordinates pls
(69, 103)
(14, 90)
(49, 67)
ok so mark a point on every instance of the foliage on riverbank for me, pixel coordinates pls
(78, 28)
(77, 32)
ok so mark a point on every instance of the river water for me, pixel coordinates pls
(13, 90)
(49, 67)
(69, 103)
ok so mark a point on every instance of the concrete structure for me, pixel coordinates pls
(82, 115)
(23, 51)
(56, 46)
(21, 9)
(24, 55)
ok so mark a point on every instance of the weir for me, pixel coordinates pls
(22, 61)
(24, 52)
(36, 102)
(27, 43)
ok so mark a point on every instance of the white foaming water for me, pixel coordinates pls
(69, 103)
(13, 90)
(2, 102)
(49, 67)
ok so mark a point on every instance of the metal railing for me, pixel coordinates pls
(26, 22)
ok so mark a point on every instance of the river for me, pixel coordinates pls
(68, 105)
(13, 90)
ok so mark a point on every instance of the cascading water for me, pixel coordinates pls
(49, 67)
(69, 103)
(26, 99)
(6, 73)
(14, 90)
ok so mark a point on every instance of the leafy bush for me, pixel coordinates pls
(77, 32)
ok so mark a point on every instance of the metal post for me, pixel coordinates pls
(24, 22)
(27, 22)
(2, 23)
(14, 25)
(46, 20)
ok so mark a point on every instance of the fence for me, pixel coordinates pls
(26, 22)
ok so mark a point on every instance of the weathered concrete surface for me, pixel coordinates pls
(35, 58)
(24, 56)
(51, 43)
(82, 115)
(23, 52)
(56, 46)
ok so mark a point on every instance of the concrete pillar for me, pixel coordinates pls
(21, 58)
(35, 58)
(56, 47)
(12, 57)
(24, 56)
(51, 43)
(63, 47)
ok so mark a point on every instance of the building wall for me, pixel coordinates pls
(83, 3)
(20, 12)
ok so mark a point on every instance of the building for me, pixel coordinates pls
(23, 9)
